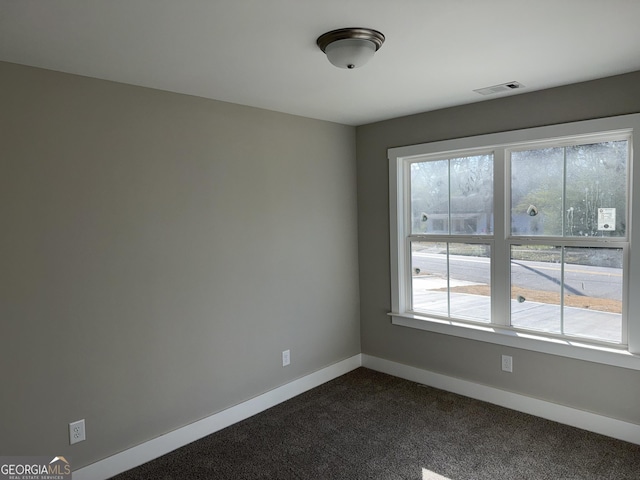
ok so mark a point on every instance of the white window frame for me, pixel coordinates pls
(499, 332)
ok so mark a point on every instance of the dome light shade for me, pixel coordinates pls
(350, 53)
(350, 47)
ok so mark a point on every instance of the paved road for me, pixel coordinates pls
(600, 282)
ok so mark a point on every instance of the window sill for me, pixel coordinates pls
(518, 339)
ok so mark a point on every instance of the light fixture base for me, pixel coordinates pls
(374, 36)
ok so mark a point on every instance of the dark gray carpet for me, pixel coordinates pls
(368, 425)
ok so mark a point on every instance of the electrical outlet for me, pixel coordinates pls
(507, 363)
(76, 432)
(286, 358)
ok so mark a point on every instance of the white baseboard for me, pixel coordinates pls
(629, 432)
(164, 444)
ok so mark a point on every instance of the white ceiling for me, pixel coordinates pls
(263, 52)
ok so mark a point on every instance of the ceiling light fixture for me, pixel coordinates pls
(350, 47)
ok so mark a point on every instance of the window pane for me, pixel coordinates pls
(596, 191)
(429, 274)
(472, 195)
(470, 281)
(535, 287)
(536, 192)
(456, 284)
(593, 293)
(430, 197)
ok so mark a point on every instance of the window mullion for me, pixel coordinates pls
(500, 250)
(562, 289)
(564, 193)
(408, 280)
(564, 234)
(448, 281)
(449, 197)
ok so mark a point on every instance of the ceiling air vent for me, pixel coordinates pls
(503, 87)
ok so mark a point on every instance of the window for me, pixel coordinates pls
(520, 238)
(576, 197)
(447, 257)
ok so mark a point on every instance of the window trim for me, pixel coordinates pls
(627, 356)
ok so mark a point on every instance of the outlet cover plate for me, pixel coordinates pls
(286, 358)
(77, 432)
(507, 363)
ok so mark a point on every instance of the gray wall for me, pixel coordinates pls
(593, 387)
(158, 252)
